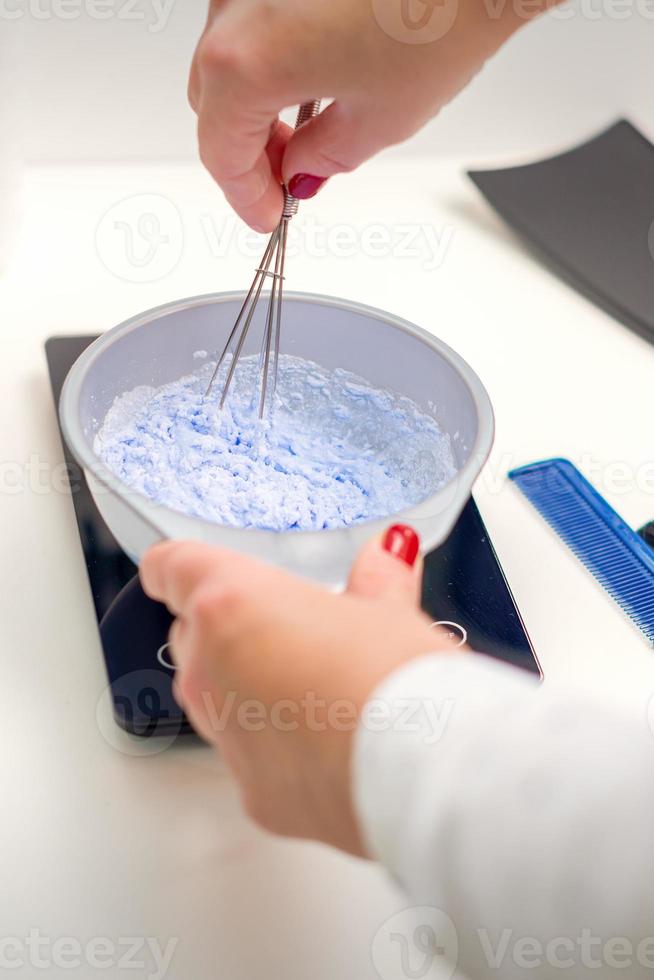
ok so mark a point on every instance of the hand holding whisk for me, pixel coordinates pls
(272, 265)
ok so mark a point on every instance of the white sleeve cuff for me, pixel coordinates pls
(425, 712)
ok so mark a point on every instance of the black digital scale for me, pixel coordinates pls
(464, 589)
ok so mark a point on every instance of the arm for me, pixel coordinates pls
(524, 813)
(529, 822)
(388, 65)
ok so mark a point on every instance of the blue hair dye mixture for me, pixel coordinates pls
(336, 451)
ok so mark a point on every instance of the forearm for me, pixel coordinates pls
(529, 817)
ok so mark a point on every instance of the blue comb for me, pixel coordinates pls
(615, 554)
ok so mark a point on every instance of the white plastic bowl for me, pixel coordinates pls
(157, 347)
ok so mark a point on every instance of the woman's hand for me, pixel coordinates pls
(389, 66)
(274, 670)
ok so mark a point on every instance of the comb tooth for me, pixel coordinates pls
(645, 605)
(633, 590)
(614, 554)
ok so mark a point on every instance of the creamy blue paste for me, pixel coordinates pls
(335, 452)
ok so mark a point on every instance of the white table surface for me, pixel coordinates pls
(99, 841)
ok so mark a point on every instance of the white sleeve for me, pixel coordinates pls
(522, 812)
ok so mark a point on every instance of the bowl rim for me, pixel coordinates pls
(147, 510)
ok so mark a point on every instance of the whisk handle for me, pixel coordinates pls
(306, 111)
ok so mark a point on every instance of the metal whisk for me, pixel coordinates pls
(272, 265)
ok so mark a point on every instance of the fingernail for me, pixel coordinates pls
(304, 186)
(402, 542)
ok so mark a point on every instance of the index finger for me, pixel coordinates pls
(235, 124)
(171, 572)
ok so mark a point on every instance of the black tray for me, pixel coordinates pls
(589, 214)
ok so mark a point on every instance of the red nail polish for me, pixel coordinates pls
(304, 186)
(402, 542)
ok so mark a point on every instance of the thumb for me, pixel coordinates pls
(389, 567)
(336, 141)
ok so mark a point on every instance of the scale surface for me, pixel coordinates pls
(464, 588)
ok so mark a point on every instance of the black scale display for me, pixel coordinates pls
(464, 589)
